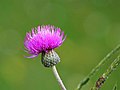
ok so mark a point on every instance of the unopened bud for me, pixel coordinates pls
(50, 58)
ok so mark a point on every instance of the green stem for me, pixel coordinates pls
(105, 75)
(58, 78)
(86, 79)
(115, 86)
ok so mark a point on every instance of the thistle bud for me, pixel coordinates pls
(50, 58)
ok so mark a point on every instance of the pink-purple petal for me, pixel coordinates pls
(42, 39)
(32, 56)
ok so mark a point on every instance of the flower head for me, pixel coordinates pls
(43, 39)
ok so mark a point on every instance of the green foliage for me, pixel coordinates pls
(92, 28)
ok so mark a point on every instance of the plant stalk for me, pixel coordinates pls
(94, 70)
(105, 75)
(58, 78)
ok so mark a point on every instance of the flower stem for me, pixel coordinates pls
(105, 75)
(94, 70)
(58, 78)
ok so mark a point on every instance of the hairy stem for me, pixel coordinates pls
(94, 70)
(105, 75)
(58, 78)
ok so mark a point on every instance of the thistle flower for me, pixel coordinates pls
(44, 39)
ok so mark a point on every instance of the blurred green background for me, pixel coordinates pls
(92, 28)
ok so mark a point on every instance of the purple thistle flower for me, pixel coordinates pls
(43, 39)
